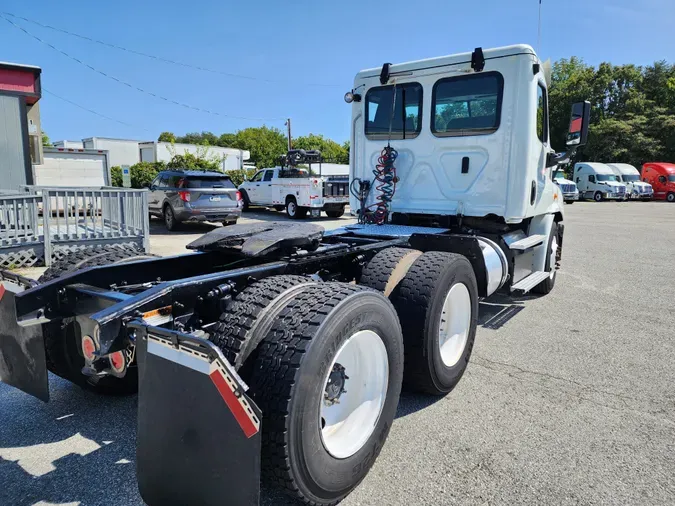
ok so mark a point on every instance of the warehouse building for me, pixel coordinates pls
(130, 152)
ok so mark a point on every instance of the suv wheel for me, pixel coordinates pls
(170, 219)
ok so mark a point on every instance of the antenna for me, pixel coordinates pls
(539, 30)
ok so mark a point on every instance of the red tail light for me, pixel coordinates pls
(239, 196)
(184, 196)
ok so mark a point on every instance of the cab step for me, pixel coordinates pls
(528, 283)
(528, 242)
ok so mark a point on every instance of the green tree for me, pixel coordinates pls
(632, 109)
(167, 137)
(265, 144)
(45, 140)
(141, 174)
(331, 151)
(192, 161)
(204, 138)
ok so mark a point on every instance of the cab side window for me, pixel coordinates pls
(542, 115)
(591, 178)
(268, 175)
(258, 177)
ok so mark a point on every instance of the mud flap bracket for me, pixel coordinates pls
(198, 439)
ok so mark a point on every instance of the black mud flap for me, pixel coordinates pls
(22, 349)
(198, 438)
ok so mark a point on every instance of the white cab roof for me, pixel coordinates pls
(624, 169)
(598, 168)
(455, 59)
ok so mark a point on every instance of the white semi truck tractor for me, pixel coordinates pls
(630, 176)
(277, 349)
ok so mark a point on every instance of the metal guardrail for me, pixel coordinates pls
(43, 223)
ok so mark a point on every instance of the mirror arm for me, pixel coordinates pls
(554, 159)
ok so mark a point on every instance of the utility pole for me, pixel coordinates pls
(288, 125)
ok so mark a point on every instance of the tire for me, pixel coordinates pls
(670, 197)
(246, 320)
(436, 282)
(386, 269)
(62, 338)
(335, 213)
(230, 222)
(304, 342)
(90, 257)
(246, 200)
(294, 211)
(170, 221)
(597, 196)
(547, 285)
(570, 202)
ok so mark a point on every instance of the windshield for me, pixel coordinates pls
(630, 178)
(607, 177)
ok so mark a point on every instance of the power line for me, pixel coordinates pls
(162, 59)
(91, 110)
(120, 81)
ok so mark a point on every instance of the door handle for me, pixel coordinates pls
(465, 165)
(269, 185)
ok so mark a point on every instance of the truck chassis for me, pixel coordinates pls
(161, 320)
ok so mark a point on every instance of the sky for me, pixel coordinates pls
(299, 57)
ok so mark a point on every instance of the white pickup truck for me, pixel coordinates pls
(297, 190)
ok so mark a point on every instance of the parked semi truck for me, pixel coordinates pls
(568, 188)
(281, 348)
(598, 182)
(298, 186)
(630, 176)
(661, 176)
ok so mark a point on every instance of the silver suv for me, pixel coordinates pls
(178, 196)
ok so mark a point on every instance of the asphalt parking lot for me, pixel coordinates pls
(571, 401)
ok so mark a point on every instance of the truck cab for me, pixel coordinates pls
(630, 176)
(598, 182)
(662, 177)
(470, 130)
(569, 188)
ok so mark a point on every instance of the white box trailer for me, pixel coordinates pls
(229, 158)
(68, 144)
(120, 151)
(73, 168)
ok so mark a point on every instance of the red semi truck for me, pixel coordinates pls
(662, 177)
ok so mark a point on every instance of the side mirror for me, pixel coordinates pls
(577, 134)
(151, 187)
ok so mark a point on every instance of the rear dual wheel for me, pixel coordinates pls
(327, 376)
(436, 297)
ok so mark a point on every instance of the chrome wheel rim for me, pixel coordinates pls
(552, 256)
(453, 332)
(355, 390)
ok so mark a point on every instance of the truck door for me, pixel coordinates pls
(253, 187)
(156, 197)
(264, 191)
